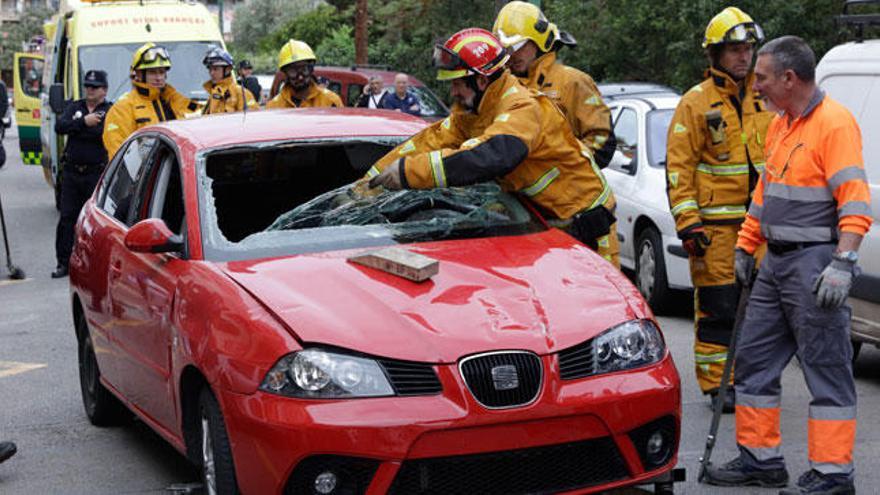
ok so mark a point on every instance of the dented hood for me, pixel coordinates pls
(541, 292)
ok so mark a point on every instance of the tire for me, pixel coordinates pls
(102, 407)
(218, 469)
(650, 273)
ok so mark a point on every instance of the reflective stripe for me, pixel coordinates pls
(710, 358)
(755, 210)
(541, 183)
(600, 139)
(847, 174)
(735, 169)
(603, 198)
(407, 148)
(470, 143)
(437, 168)
(798, 234)
(504, 117)
(832, 412)
(855, 208)
(832, 468)
(511, 91)
(446, 123)
(688, 204)
(759, 401)
(759, 167)
(373, 172)
(485, 39)
(722, 210)
(764, 454)
(797, 193)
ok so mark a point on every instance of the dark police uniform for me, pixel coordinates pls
(84, 160)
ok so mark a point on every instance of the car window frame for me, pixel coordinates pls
(141, 194)
(617, 112)
(110, 173)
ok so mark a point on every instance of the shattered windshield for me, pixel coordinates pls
(283, 200)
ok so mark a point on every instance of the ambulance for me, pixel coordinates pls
(96, 34)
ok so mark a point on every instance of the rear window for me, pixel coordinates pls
(292, 198)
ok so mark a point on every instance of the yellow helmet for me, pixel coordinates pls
(294, 51)
(732, 25)
(518, 22)
(150, 56)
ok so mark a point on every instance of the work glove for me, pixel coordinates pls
(832, 286)
(743, 267)
(695, 241)
(390, 178)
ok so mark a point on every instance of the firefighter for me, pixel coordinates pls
(714, 156)
(297, 61)
(224, 93)
(499, 130)
(150, 100)
(533, 43)
(812, 206)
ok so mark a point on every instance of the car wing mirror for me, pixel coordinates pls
(56, 97)
(152, 236)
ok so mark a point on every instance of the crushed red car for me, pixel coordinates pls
(214, 295)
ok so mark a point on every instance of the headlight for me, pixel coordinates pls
(318, 374)
(628, 345)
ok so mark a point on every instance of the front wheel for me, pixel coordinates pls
(651, 270)
(218, 470)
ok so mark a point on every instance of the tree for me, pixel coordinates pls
(29, 25)
(257, 19)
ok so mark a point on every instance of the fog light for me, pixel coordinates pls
(325, 483)
(656, 448)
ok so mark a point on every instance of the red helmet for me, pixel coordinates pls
(469, 51)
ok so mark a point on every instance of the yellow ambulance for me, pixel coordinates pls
(101, 34)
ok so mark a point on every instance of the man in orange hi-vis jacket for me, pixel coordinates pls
(812, 206)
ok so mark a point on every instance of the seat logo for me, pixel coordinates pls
(504, 377)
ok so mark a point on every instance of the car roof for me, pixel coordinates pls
(295, 123)
(363, 74)
(626, 89)
(659, 101)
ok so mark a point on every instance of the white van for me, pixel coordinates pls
(850, 73)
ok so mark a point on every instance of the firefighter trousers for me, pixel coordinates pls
(715, 299)
(782, 320)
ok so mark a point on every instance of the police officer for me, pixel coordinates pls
(296, 61)
(501, 131)
(224, 93)
(151, 99)
(715, 151)
(84, 159)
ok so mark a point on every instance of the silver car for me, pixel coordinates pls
(649, 246)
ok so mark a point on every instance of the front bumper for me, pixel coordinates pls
(407, 442)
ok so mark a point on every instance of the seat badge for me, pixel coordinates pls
(504, 377)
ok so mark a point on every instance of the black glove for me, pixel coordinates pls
(695, 241)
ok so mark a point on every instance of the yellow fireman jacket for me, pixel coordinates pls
(142, 106)
(226, 96)
(517, 137)
(317, 97)
(576, 94)
(715, 152)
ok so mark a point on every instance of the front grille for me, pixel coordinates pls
(538, 470)
(576, 362)
(503, 379)
(409, 378)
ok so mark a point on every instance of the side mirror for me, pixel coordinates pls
(56, 97)
(152, 236)
(629, 164)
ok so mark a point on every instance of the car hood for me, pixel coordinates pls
(540, 292)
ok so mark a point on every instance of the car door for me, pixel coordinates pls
(99, 248)
(144, 288)
(28, 74)
(621, 174)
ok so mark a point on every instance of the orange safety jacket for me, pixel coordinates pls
(814, 185)
(517, 137)
(142, 106)
(715, 152)
(317, 97)
(576, 94)
(226, 96)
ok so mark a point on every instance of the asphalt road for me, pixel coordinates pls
(61, 453)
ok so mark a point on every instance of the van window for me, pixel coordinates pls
(30, 71)
(187, 74)
(861, 95)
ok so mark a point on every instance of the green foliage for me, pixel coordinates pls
(337, 48)
(15, 33)
(257, 19)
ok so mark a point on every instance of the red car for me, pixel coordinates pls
(233, 289)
